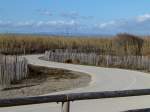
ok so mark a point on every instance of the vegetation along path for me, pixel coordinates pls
(103, 79)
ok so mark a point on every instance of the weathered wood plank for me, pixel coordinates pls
(139, 110)
(72, 97)
(12, 68)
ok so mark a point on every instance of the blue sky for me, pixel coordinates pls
(75, 16)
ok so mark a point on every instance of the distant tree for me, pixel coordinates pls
(127, 44)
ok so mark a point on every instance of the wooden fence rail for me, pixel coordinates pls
(67, 98)
(139, 110)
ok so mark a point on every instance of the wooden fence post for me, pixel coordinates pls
(65, 107)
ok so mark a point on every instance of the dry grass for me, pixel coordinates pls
(38, 44)
(16, 44)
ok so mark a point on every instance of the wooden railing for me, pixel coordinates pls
(67, 98)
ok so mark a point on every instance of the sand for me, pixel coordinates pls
(44, 80)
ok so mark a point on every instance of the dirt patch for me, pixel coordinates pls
(44, 80)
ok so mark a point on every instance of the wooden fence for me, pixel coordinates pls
(92, 58)
(67, 98)
(12, 68)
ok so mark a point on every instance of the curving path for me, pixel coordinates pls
(103, 79)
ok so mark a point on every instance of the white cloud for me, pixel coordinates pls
(45, 12)
(5, 23)
(70, 15)
(58, 26)
(33, 24)
(136, 25)
(106, 24)
(48, 13)
(143, 18)
(139, 22)
(75, 15)
(56, 23)
(139, 25)
(24, 24)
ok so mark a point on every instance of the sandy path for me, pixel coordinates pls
(103, 79)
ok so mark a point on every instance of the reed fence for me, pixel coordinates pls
(12, 69)
(94, 58)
